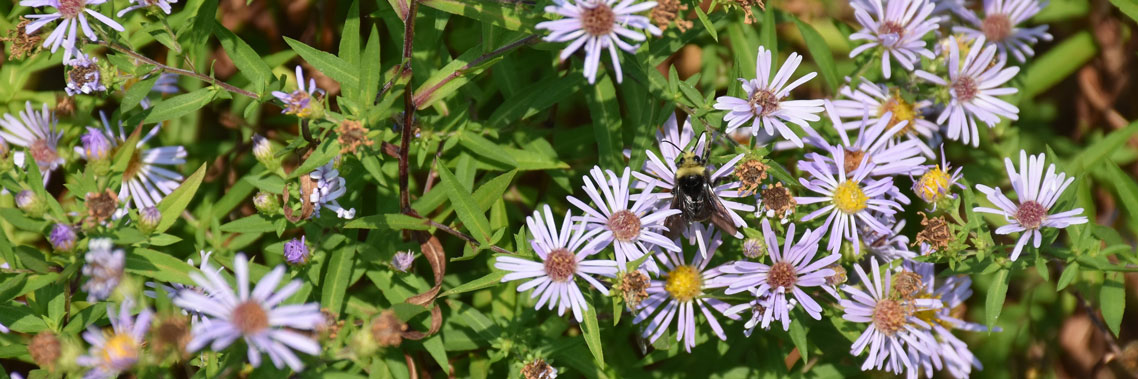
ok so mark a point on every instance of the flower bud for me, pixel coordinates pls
(754, 248)
(296, 252)
(148, 219)
(266, 203)
(28, 202)
(96, 146)
(402, 260)
(263, 151)
(63, 237)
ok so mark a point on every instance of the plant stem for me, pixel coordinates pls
(408, 110)
(183, 72)
(426, 94)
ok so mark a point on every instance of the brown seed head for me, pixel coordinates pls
(633, 286)
(560, 265)
(172, 334)
(101, 205)
(21, 43)
(64, 105)
(935, 233)
(45, 349)
(387, 329)
(667, 11)
(778, 199)
(907, 284)
(598, 20)
(751, 174)
(538, 369)
(853, 160)
(763, 102)
(352, 135)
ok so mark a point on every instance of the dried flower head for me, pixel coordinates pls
(667, 11)
(45, 349)
(84, 76)
(632, 287)
(751, 174)
(64, 105)
(21, 43)
(171, 335)
(538, 369)
(746, 5)
(352, 135)
(935, 233)
(907, 284)
(101, 205)
(387, 329)
(777, 201)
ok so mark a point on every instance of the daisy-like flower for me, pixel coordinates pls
(173, 289)
(875, 145)
(949, 351)
(682, 290)
(892, 322)
(850, 198)
(73, 17)
(144, 181)
(935, 184)
(258, 316)
(765, 105)
(1037, 193)
(898, 26)
(631, 230)
(870, 102)
(84, 76)
(1000, 26)
(329, 186)
(972, 84)
(104, 268)
(164, 5)
(562, 255)
(118, 349)
(38, 134)
(598, 25)
(792, 268)
(303, 102)
(662, 172)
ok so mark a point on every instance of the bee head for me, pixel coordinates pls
(690, 159)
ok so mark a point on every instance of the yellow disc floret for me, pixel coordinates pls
(684, 283)
(849, 198)
(120, 350)
(933, 185)
(901, 111)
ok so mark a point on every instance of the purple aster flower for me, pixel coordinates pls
(562, 254)
(296, 251)
(84, 76)
(632, 231)
(948, 351)
(173, 289)
(936, 183)
(38, 134)
(765, 106)
(850, 198)
(329, 187)
(999, 26)
(145, 181)
(870, 102)
(875, 144)
(893, 323)
(300, 102)
(73, 17)
(104, 267)
(972, 85)
(598, 25)
(898, 27)
(96, 146)
(1037, 194)
(258, 316)
(118, 349)
(792, 268)
(164, 5)
(402, 260)
(682, 290)
(662, 172)
(63, 237)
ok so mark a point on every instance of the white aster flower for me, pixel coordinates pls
(898, 26)
(38, 134)
(118, 349)
(870, 102)
(73, 17)
(765, 105)
(1037, 193)
(145, 181)
(875, 145)
(947, 352)
(892, 322)
(562, 255)
(164, 5)
(598, 25)
(973, 83)
(632, 230)
(850, 198)
(258, 316)
(936, 183)
(999, 26)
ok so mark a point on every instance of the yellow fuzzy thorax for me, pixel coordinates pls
(689, 164)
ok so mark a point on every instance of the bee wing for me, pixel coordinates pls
(676, 222)
(720, 216)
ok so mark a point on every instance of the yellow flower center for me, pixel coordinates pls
(849, 198)
(684, 283)
(933, 185)
(902, 111)
(120, 350)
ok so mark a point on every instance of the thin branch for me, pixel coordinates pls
(408, 110)
(426, 94)
(466, 237)
(179, 71)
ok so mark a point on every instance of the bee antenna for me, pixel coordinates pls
(674, 145)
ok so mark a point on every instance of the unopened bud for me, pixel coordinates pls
(402, 260)
(63, 237)
(95, 146)
(754, 248)
(266, 203)
(28, 202)
(148, 219)
(296, 252)
(263, 151)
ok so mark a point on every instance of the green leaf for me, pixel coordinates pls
(172, 206)
(16, 217)
(323, 154)
(1096, 152)
(707, 25)
(1041, 267)
(1069, 274)
(328, 64)
(250, 224)
(500, 14)
(1058, 63)
(820, 52)
(1112, 299)
(605, 110)
(125, 154)
(487, 281)
(485, 148)
(392, 221)
(493, 189)
(535, 98)
(434, 346)
(137, 92)
(592, 334)
(350, 36)
(473, 218)
(369, 81)
(336, 280)
(997, 292)
(1129, 7)
(180, 105)
(158, 265)
(768, 36)
(798, 336)
(248, 62)
(457, 73)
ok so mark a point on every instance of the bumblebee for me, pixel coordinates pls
(694, 195)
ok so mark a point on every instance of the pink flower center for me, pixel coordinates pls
(890, 27)
(598, 20)
(763, 102)
(1031, 214)
(782, 274)
(71, 8)
(996, 27)
(249, 318)
(965, 88)
(889, 316)
(43, 153)
(560, 265)
(625, 225)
